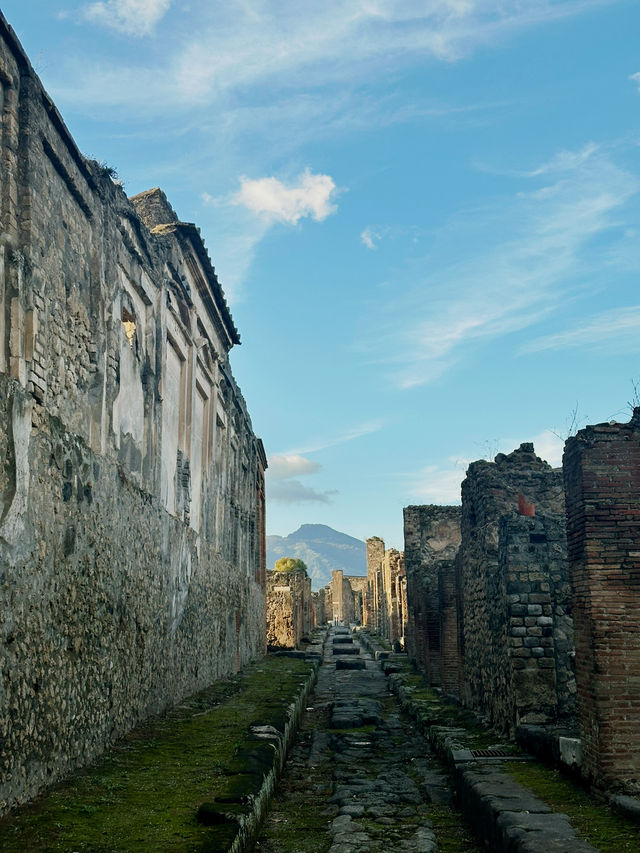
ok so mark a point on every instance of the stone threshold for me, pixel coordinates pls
(505, 815)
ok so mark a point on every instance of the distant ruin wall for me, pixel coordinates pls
(602, 481)
(132, 485)
(431, 541)
(290, 611)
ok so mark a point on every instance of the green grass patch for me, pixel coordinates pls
(595, 822)
(144, 794)
(453, 834)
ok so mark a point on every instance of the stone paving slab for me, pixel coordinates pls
(383, 777)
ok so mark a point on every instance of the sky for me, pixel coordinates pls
(425, 217)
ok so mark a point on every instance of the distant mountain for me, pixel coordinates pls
(323, 549)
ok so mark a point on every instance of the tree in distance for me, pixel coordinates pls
(290, 564)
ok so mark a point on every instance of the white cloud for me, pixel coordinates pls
(283, 466)
(636, 78)
(506, 283)
(133, 17)
(312, 196)
(293, 491)
(370, 237)
(618, 328)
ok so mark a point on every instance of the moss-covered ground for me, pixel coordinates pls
(602, 827)
(145, 793)
(299, 815)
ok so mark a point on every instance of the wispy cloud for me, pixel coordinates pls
(312, 195)
(509, 282)
(248, 44)
(618, 328)
(636, 78)
(350, 434)
(133, 17)
(370, 238)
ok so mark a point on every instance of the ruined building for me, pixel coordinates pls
(132, 485)
(490, 621)
(290, 612)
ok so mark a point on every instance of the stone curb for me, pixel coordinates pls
(236, 818)
(505, 815)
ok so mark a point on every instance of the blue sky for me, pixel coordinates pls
(425, 215)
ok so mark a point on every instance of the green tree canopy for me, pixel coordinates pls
(290, 564)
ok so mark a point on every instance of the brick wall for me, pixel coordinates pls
(602, 481)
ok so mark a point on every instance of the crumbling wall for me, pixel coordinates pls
(514, 590)
(290, 614)
(602, 481)
(132, 490)
(432, 538)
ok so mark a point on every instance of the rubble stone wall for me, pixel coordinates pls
(602, 480)
(508, 592)
(132, 484)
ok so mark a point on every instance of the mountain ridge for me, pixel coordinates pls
(323, 549)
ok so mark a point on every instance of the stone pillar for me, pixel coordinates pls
(602, 481)
(337, 597)
(375, 557)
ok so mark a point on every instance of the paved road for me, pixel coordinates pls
(360, 778)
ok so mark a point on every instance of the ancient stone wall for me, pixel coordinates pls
(290, 613)
(514, 593)
(432, 538)
(602, 480)
(132, 493)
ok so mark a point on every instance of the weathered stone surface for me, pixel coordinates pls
(513, 591)
(131, 490)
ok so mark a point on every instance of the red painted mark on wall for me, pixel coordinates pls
(524, 507)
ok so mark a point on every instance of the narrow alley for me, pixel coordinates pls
(360, 777)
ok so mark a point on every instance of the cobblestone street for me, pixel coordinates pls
(360, 777)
